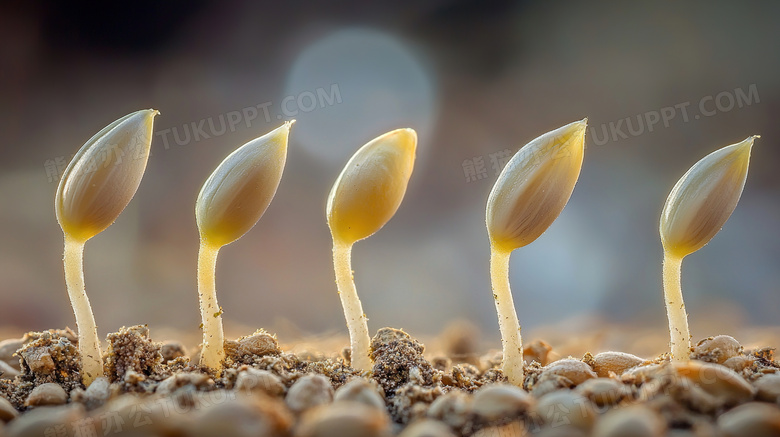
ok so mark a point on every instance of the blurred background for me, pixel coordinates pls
(662, 84)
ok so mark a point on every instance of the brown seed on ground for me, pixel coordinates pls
(427, 428)
(453, 408)
(345, 419)
(739, 363)
(7, 411)
(46, 394)
(754, 419)
(574, 370)
(360, 390)
(768, 387)
(605, 363)
(42, 420)
(254, 380)
(501, 401)
(7, 350)
(719, 381)
(565, 407)
(603, 391)
(716, 349)
(309, 391)
(631, 421)
(7, 371)
(242, 416)
(170, 350)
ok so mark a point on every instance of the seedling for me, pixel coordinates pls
(95, 188)
(365, 196)
(231, 201)
(696, 209)
(528, 196)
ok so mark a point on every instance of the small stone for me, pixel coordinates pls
(345, 419)
(39, 360)
(172, 383)
(7, 371)
(241, 416)
(170, 350)
(605, 363)
(768, 387)
(574, 370)
(254, 380)
(754, 419)
(739, 362)
(42, 420)
(7, 411)
(7, 350)
(452, 408)
(46, 394)
(360, 390)
(717, 349)
(566, 407)
(631, 421)
(603, 391)
(427, 428)
(309, 391)
(501, 401)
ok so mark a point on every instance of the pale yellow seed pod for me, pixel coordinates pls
(239, 191)
(104, 175)
(704, 198)
(534, 186)
(371, 186)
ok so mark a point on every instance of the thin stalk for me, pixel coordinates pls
(675, 308)
(511, 341)
(213, 352)
(357, 322)
(89, 344)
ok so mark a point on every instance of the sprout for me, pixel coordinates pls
(96, 187)
(696, 209)
(365, 196)
(231, 201)
(528, 196)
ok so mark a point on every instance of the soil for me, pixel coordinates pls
(156, 389)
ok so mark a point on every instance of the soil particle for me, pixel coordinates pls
(192, 379)
(768, 388)
(242, 416)
(566, 408)
(604, 392)
(716, 349)
(95, 396)
(752, 419)
(7, 411)
(43, 421)
(246, 349)
(427, 428)
(411, 401)
(170, 350)
(253, 380)
(395, 355)
(538, 351)
(501, 402)
(7, 371)
(46, 394)
(633, 421)
(132, 349)
(7, 350)
(453, 408)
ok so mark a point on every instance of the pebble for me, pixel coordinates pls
(603, 391)
(7, 350)
(501, 401)
(172, 383)
(768, 387)
(719, 381)
(452, 408)
(170, 350)
(7, 411)
(260, 343)
(574, 370)
(309, 391)
(631, 421)
(46, 394)
(717, 349)
(95, 395)
(565, 407)
(739, 363)
(754, 419)
(242, 416)
(7, 371)
(427, 428)
(41, 421)
(38, 359)
(605, 363)
(255, 380)
(360, 390)
(345, 419)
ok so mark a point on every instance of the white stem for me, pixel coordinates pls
(675, 308)
(511, 341)
(357, 323)
(213, 352)
(89, 344)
